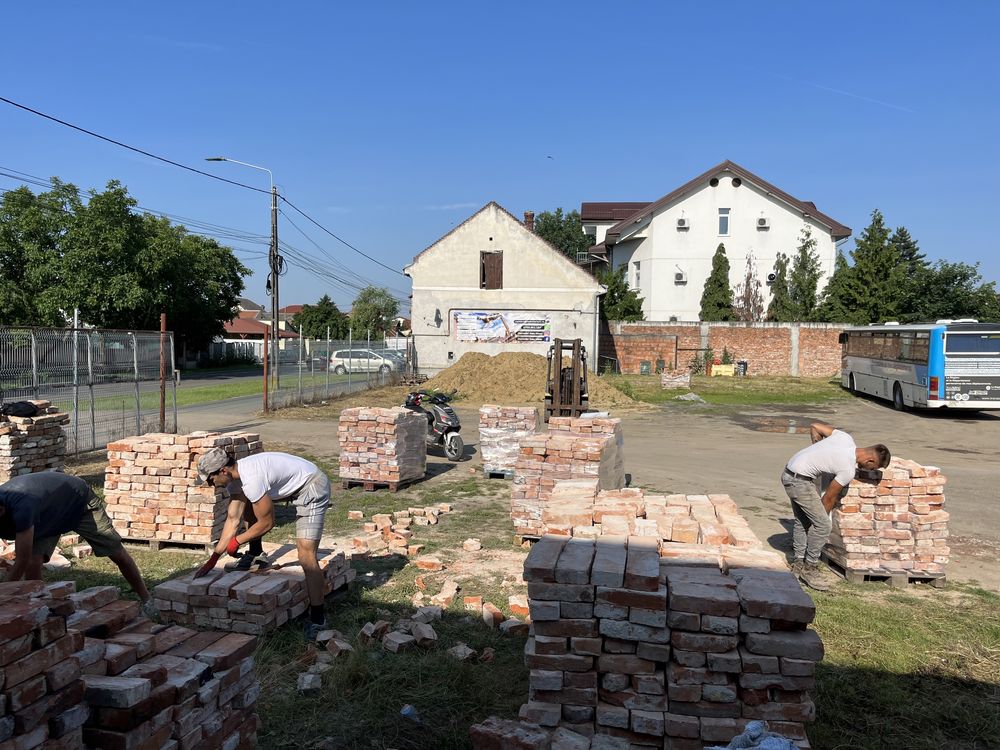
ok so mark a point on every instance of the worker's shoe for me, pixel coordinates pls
(150, 610)
(248, 562)
(312, 629)
(811, 575)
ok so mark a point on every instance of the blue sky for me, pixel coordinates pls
(390, 123)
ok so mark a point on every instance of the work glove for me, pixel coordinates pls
(233, 547)
(207, 568)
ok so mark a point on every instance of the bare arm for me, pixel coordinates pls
(832, 495)
(820, 430)
(264, 510)
(234, 515)
(24, 544)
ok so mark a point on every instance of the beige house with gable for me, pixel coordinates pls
(492, 285)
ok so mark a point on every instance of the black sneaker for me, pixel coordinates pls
(249, 562)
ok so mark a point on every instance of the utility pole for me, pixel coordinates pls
(275, 261)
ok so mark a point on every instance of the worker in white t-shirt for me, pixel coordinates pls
(255, 483)
(827, 466)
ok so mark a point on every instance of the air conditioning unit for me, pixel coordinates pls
(680, 278)
(683, 223)
(763, 223)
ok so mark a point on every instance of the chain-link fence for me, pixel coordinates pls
(111, 383)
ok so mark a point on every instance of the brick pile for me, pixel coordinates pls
(501, 429)
(644, 640)
(674, 379)
(575, 448)
(151, 485)
(896, 523)
(30, 444)
(382, 446)
(252, 603)
(83, 669)
(392, 533)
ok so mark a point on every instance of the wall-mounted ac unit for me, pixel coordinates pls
(683, 223)
(680, 278)
(763, 223)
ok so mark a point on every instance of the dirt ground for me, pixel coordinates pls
(696, 448)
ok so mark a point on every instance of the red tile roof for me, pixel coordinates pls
(247, 327)
(610, 211)
(291, 309)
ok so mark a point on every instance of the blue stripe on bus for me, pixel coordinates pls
(935, 361)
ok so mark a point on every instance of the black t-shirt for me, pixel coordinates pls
(51, 502)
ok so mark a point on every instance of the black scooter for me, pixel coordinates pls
(443, 423)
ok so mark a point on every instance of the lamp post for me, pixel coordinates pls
(274, 263)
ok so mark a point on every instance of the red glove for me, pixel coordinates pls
(233, 547)
(205, 569)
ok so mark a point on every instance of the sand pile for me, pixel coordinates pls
(513, 378)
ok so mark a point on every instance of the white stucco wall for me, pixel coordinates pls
(665, 250)
(535, 278)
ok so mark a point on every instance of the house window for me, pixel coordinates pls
(635, 274)
(491, 270)
(723, 222)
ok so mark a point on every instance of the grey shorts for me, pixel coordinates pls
(311, 502)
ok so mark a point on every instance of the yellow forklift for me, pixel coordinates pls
(566, 392)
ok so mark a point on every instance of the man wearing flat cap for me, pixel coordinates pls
(255, 483)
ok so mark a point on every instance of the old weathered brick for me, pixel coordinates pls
(795, 644)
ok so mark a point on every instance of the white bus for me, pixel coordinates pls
(953, 364)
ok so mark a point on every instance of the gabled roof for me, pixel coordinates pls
(291, 309)
(517, 221)
(246, 303)
(837, 230)
(249, 327)
(609, 210)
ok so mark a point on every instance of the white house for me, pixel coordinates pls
(667, 245)
(492, 285)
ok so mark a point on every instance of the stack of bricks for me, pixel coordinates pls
(501, 430)
(252, 603)
(30, 444)
(152, 491)
(674, 379)
(666, 645)
(893, 524)
(392, 533)
(85, 670)
(382, 446)
(578, 508)
(574, 449)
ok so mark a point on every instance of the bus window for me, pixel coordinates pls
(973, 343)
(890, 346)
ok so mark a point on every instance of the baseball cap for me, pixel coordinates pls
(211, 461)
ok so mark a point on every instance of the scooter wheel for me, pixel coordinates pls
(454, 447)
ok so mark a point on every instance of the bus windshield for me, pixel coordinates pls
(973, 343)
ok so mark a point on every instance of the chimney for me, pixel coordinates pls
(529, 221)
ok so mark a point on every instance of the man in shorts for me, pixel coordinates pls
(826, 466)
(255, 483)
(36, 509)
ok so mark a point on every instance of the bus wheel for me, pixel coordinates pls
(897, 398)
(850, 384)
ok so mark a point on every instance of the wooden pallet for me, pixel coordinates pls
(167, 545)
(499, 474)
(894, 578)
(372, 486)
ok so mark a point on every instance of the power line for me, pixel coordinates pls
(130, 148)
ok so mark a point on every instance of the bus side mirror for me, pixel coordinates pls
(841, 338)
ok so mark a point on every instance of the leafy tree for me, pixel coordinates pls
(314, 320)
(878, 283)
(749, 305)
(620, 302)
(373, 311)
(565, 231)
(953, 290)
(834, 304)
(717, 296)
(781, 309)
(803, 280)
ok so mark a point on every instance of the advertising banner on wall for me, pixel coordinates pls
(502, 327)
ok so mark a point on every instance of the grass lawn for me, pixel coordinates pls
(750, 391)
(916, 668)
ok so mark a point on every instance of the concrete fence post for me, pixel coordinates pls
(793, 334)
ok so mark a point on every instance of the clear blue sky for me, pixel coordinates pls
(390, 123)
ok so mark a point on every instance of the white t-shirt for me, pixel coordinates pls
(277, 475)
(834, 455)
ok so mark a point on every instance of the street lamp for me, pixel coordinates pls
(274, 262)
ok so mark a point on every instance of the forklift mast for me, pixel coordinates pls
(566, 393)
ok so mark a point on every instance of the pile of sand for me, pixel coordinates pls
(513, 378)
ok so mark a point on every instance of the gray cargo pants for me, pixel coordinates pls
(811, 528)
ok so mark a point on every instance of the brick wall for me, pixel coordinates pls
(805, 349)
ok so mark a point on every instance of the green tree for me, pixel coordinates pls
(803, 279)
(749, 304)
(908, 250)
(834, 306)
(620, 302)
(314, 320)
(781, 309)
(953, 290)
(565, 231)
(373, 311)
(717, 296)
(877, 285)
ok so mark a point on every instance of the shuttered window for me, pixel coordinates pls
(491, 270)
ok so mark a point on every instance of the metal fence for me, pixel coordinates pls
(109, 381)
